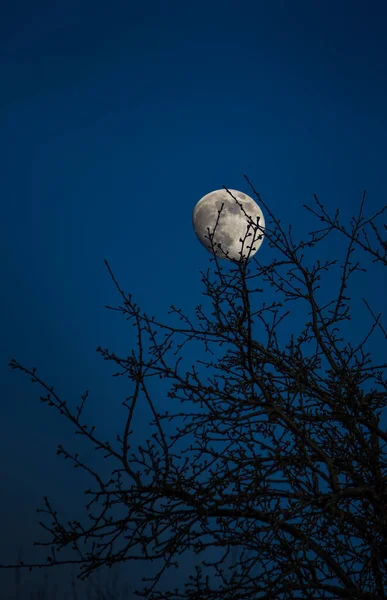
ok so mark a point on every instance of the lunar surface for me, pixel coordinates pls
(236, 220)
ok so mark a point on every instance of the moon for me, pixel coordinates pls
(237, 218)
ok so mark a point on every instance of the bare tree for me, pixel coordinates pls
(278, 451)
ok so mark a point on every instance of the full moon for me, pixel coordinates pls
(237, 221)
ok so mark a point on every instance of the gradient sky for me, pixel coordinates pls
(115, 119)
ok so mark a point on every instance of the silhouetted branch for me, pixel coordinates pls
(279, 449)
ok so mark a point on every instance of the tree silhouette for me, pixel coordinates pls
(278, 450)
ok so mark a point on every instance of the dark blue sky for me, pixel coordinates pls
(115, 119)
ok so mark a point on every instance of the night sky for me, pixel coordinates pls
(115, 119)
